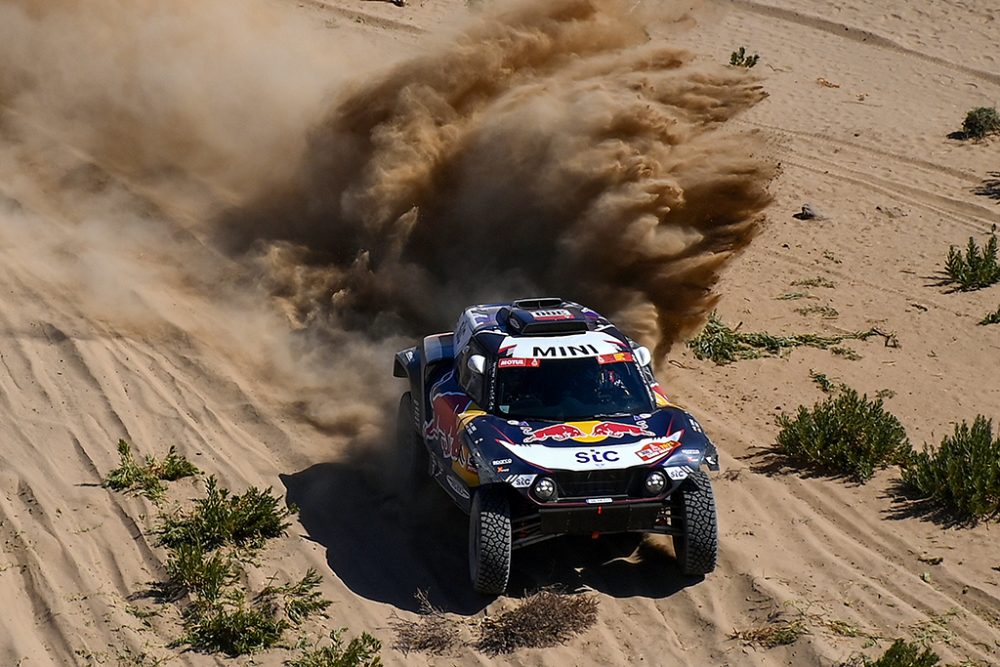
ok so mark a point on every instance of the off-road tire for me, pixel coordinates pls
(489, 541)
(697, 544)
(411, 446)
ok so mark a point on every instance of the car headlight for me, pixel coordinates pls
(656, 481)
(544, 489)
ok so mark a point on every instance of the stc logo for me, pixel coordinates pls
(597, 456)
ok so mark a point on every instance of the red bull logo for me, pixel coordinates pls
(558, 432)
(586, 432)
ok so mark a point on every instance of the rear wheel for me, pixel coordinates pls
(489, 540)
(697, 544)
(411, 446)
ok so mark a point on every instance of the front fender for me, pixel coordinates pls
(406, 364)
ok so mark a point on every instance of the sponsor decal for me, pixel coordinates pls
(590, 344)
(594, 431)
(502, 469)
(659, 448)
(654, 450)
(502, 462)
(695, 426)
(614, 358)
(557, 432)
(677, 472)
(553, 314)
(521, 481)
(563, 351)
(519, 362)
(598, 501)
(457, 486)
(597, 456)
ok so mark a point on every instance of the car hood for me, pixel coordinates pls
(611, 443)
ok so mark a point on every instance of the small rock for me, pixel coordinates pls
(809, 212)
(892, 211)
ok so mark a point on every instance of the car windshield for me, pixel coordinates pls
(569, 389)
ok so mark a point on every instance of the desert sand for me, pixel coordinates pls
(129, 132)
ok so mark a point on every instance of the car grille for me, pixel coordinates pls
(595, 483)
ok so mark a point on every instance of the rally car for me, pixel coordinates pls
(540, 418)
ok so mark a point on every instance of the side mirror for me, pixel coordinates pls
(643, 356)
(477, 364)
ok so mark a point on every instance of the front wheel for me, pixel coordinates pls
(697, 543)
(489, 541)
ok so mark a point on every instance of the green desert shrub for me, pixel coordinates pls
(361, 651)
(233, 627)
(741, 58)
(963, 474)
(904, 654)
(300, 600)
(191, 571)
(981, 122)
(723, 344)
(223, 518)
(147, 478)
(229, 624)
(991, 318)
(845, 434)
(977, 268)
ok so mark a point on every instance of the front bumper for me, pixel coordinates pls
(611, 518)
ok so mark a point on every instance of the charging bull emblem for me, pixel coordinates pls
(585, 432)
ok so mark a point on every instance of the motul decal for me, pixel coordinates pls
(519, 363)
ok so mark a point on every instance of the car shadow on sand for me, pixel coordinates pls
(385, 546)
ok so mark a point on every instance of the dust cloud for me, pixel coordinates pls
(236, 177)
(552, 148)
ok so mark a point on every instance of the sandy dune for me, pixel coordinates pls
(108, 332)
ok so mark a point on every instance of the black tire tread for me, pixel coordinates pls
(493, 572)
(698, 548)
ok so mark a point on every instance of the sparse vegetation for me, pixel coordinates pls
(362, 651)
(844, 435)
(433, 632)
(190, 571)
(794, 296)
(147, 479)
(232, 626)
(981, 122)
(546, 618)
(845, 352)
(222, 518)
(814, 282)
(826, 312)
(992, 318)
(223, 620)
(202, 568)
(776, 631)
(963, 474)
(299, 600)
(723, 344)
(826, 385)
(977, 268)
(903, 654)
(741, 58)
